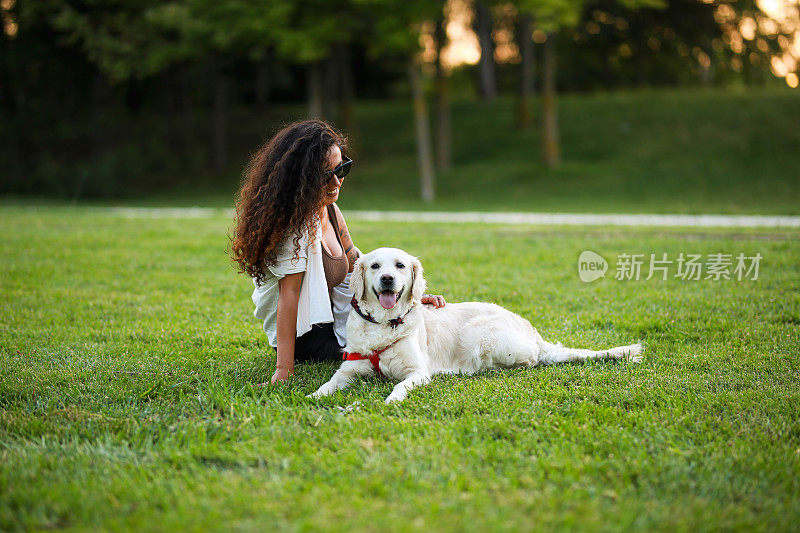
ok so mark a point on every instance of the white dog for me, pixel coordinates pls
(390, 333)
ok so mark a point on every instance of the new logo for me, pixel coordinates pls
(591, 266)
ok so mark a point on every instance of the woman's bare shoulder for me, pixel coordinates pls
(339, 216)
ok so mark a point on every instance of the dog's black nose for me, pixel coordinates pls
(386, 279)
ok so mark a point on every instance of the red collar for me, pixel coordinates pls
(373, 358)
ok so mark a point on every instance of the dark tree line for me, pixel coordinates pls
(106, 98)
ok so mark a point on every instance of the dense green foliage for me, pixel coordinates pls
(129, 360)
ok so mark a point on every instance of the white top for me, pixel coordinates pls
(315, 305)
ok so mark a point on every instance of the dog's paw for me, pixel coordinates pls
(325, 390)
(633, 354)
(395, 398)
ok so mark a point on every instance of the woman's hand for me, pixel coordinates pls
(281, 374)
(432, 299)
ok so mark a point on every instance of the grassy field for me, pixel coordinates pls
(649, 151)
(129, 360)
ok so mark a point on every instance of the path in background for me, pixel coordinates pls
(539, 219)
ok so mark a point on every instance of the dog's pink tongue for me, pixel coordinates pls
(387, 299)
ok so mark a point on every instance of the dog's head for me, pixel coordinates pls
(387, 278)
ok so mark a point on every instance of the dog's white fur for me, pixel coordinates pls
(458, 338)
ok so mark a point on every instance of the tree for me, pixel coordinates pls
(551, 16)
(347, 93)
(486, 68)
(422, 131)
(551, 150)
(315, 29)
(527, 69)
(135, 39)
(218, 31)
(261, 85)
(443, 134)
(396, 29)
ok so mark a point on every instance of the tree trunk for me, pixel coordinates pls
(99, 135)
(707, 73)
(187, 117)
(640, 51)
(21, 154)
(443, 132)
(527, 66)
(315, 89)
(169, 93)
(100, 93)
(262, 86)
(422, 133)
(330, 87)
(171, 132)
(483, 27)
(220, 120)
(347, 95)
(549, 110)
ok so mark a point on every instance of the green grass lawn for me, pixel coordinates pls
(129, 359)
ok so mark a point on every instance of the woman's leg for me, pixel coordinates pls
(319, 344)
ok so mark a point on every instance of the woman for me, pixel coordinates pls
(292, 239)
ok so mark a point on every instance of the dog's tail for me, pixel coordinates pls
(556, 353)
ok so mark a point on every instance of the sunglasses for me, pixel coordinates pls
(341, 170)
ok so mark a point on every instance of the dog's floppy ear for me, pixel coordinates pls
(418, 284)
(357, 279)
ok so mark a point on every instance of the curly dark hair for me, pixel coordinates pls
(282, 191)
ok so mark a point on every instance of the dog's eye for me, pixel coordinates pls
(400, 265)
(375, 266)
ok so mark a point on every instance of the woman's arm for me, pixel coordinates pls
(347, 242)
(288, 296)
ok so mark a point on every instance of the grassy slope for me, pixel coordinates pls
(665, 151)
(695, 152)
(128, 356)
